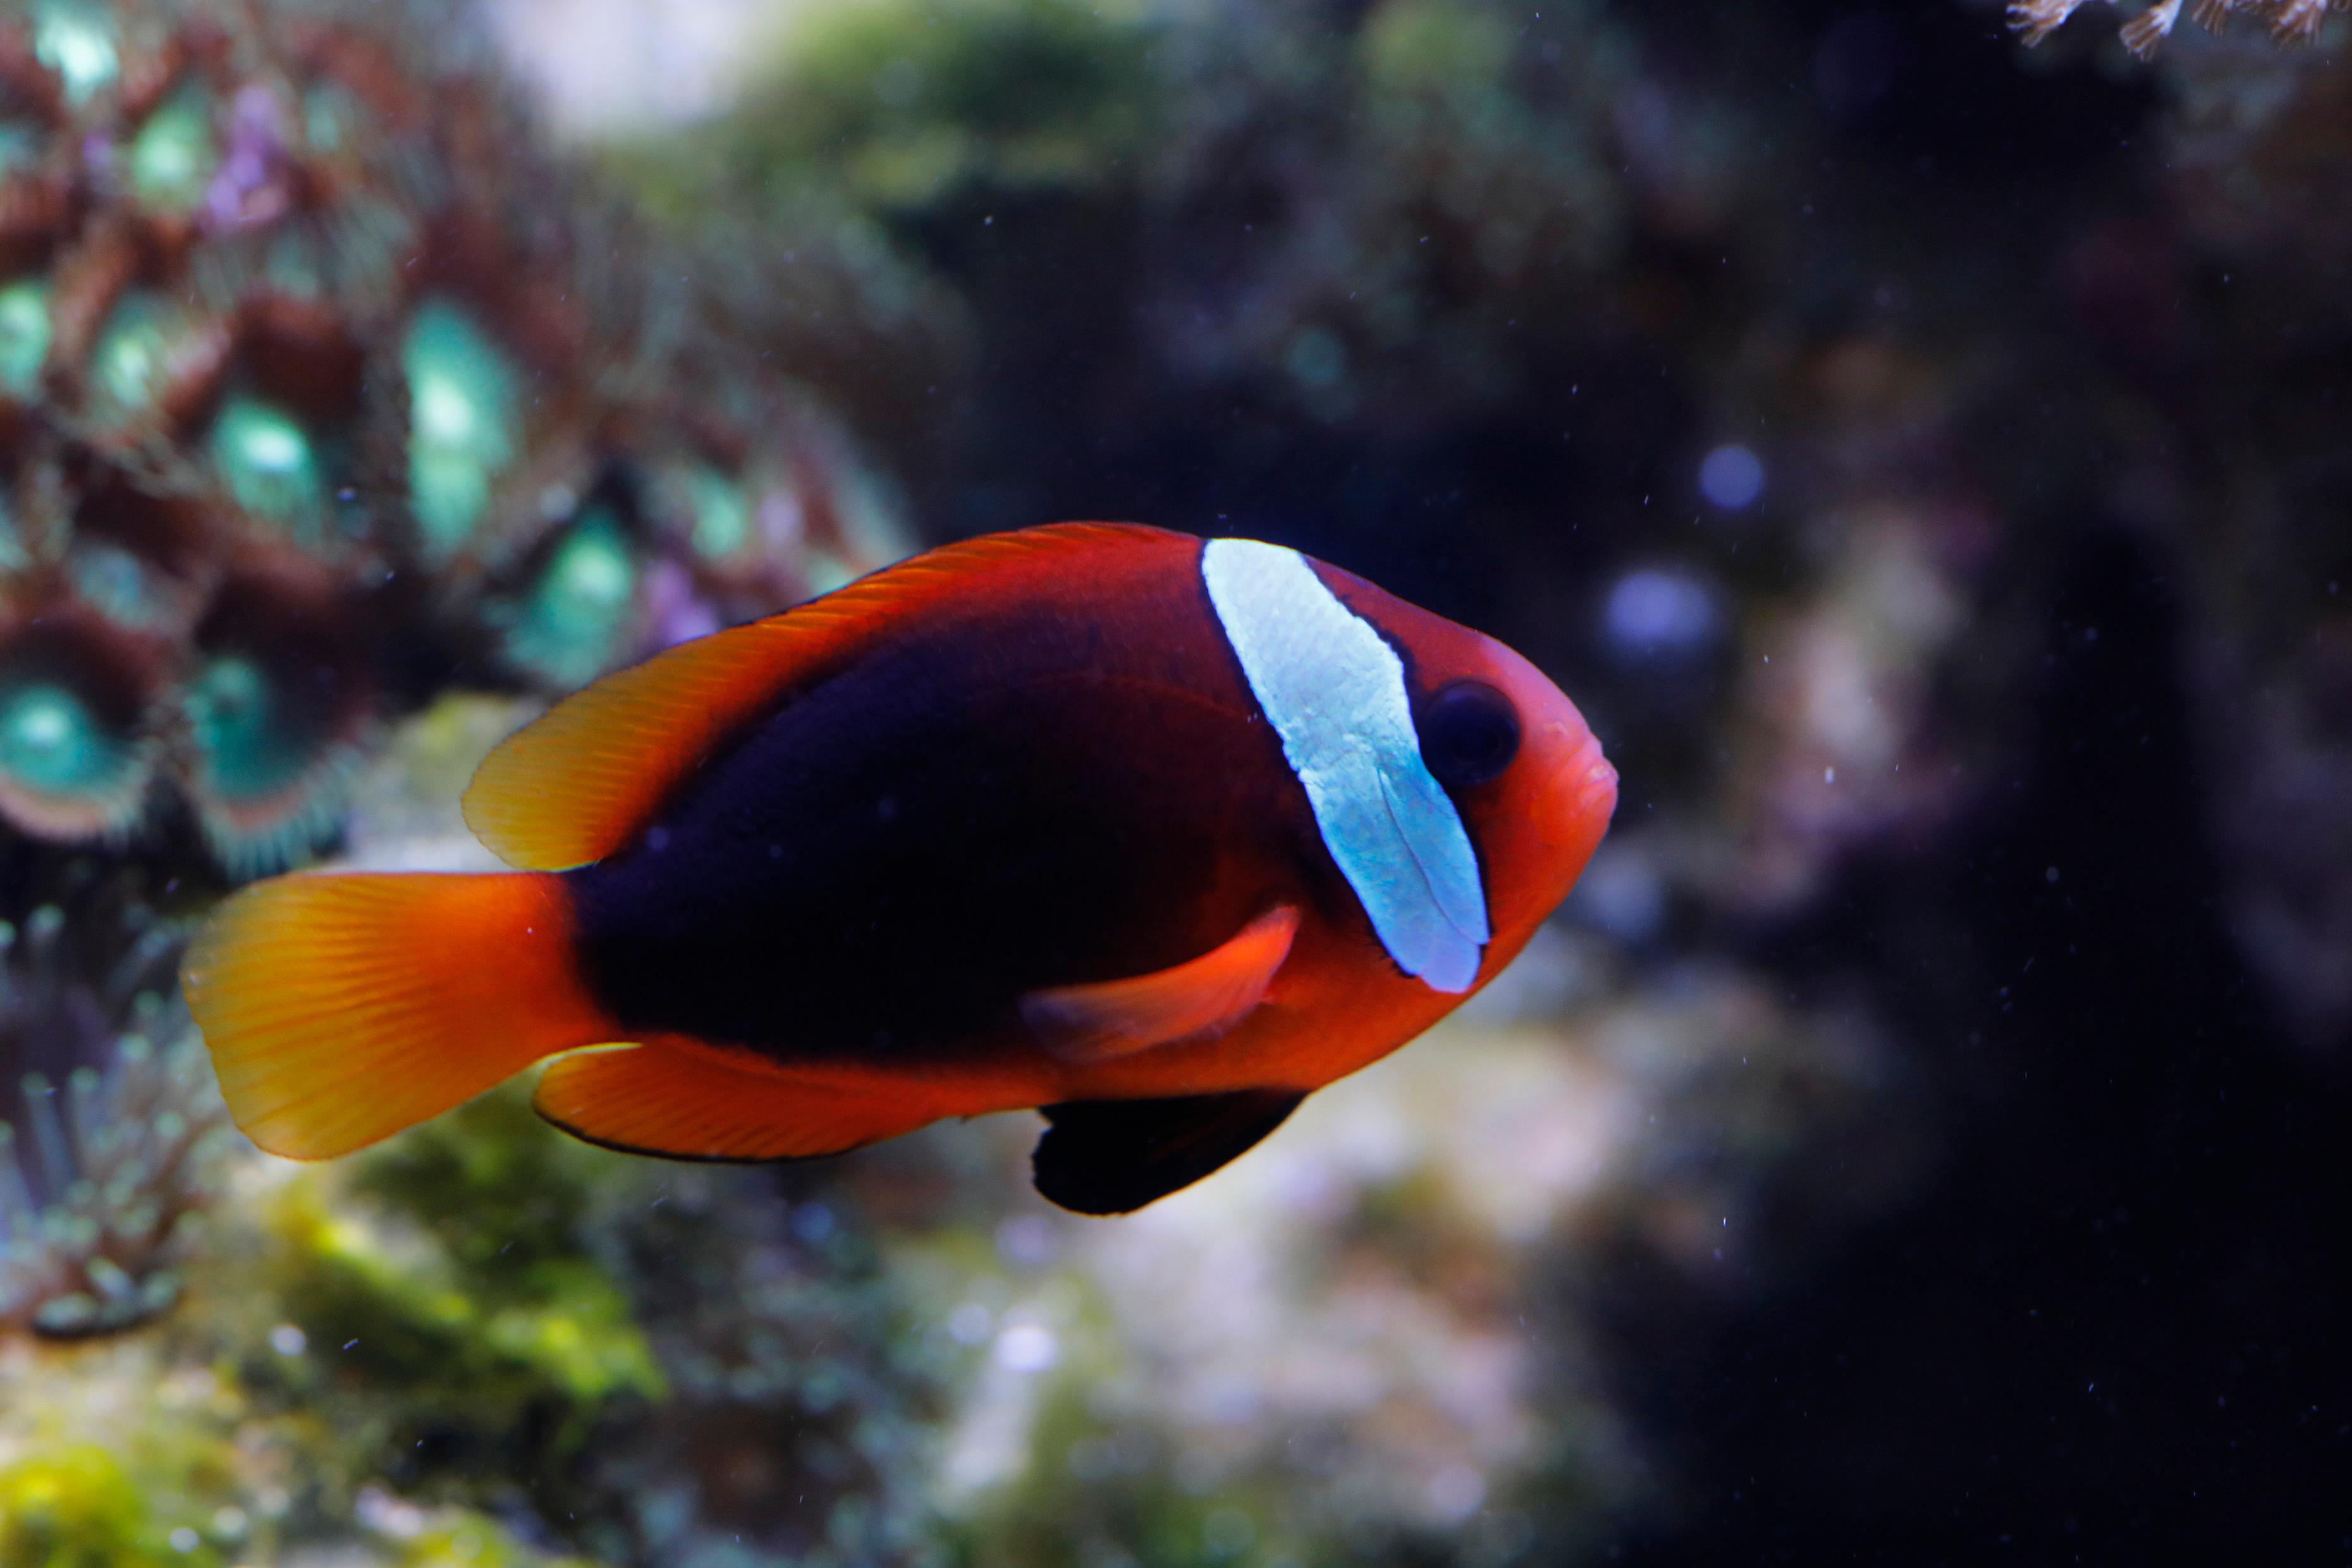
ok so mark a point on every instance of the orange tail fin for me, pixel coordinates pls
(342, 1009)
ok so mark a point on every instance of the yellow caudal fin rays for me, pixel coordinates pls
(688, 1101)
(1205, 995)
(575, 786)
(342, 1009)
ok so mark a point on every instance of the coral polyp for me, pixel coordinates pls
(269, 463)
(462, 416)
(320, 384)
(278, 712)
(112, 1131)
(2289, 21)
(77, 746)
(577, 606)
(23, 335)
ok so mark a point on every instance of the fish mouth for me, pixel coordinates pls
(1582, 792)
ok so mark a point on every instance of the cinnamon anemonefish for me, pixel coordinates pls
(1155, 835)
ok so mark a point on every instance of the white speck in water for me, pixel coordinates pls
(185, 1540)
(288, 1340)
(1829, 775)
(1027, 1347)
(2050, 875)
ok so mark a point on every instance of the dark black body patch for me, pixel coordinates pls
(983, 806)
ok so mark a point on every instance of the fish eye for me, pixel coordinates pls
(1469, 733)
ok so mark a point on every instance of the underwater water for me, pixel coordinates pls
(1918, 438)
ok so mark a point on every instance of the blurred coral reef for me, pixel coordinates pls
(324, 389)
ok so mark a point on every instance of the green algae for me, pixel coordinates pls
(74, 1507)
(900, 103)
(458, 1286)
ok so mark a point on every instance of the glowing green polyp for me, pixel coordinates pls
(25, 326)
(254, 743)
(274, 769)
(133, 350)
(268, 463)
(722, 516)
(462, 424)
(51, 742)
(77, 41)
(569, 624)
(117, 584)
(173, 157)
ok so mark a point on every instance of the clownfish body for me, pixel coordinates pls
(1154, 834)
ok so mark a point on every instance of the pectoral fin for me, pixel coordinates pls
(1113, 1156)
(1203, 996)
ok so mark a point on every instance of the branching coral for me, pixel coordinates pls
(2289, 21)
(122, 1131)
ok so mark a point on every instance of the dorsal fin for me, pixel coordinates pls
(573, 786)
(1205, 995)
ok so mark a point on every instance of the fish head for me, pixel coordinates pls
(1520, 764)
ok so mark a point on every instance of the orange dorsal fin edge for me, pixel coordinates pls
(1200, 997)
(579, 782)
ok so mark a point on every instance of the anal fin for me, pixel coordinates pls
(1113, 1156)
(683, 1101)
(1201, 996)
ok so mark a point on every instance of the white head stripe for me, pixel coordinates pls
(1335, 692)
